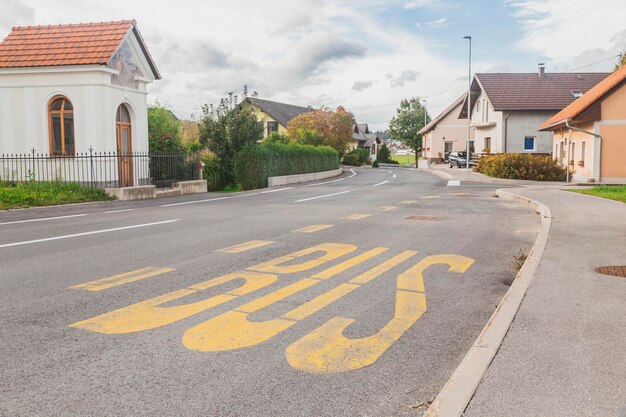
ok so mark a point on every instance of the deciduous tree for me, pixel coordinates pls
(333, 128)
(407, 122)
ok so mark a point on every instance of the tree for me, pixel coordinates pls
(383, 154)
(164, 131)
(323, 127)
(276, 137)
(407, 122)
(622, 60)
(227, 128)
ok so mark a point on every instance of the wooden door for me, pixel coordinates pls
(124, 147)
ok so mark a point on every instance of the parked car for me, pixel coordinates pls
(458, 159)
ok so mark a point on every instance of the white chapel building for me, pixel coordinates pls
(66, 89)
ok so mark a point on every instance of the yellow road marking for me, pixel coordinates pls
(430, 197)
(318, 303)
(331, 251)
(408, 202)
(459, 194)
(357, 216)
(233, 330)
(148, 314)
(388, 208)
(375, 272)
(242, 247)
(326, 350)
(314, 228)
(121, 279)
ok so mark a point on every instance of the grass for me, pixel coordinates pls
(612, 192)
(404, 159)
(19, 195)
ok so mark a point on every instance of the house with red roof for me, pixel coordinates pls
(507, 108)
(589, 135)
(65, 89)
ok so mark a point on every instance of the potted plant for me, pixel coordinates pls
(581, 164)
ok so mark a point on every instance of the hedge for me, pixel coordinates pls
(215, 176)
(522, 167)
(255, 163)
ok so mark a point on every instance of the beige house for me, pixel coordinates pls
(445, 133)
(275, 116)
(363, 138)
(589, 135)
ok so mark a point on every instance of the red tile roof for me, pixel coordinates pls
(590, 97)
(75, 44)
(528, 91)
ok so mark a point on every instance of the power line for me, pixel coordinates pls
(594, 63)
(400, 99)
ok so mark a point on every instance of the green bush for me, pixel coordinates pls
(384, 155)
(255, 163)
(215, 176)
(351, 159)
(522, 167)
(375, 164)
(276, 137)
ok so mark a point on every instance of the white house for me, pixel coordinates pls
(507, 108)
(66, 89)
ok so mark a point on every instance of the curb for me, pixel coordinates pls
(460, 388)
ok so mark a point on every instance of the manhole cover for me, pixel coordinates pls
(616, 271)
(427, 218)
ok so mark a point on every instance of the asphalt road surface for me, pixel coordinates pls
(355, 296)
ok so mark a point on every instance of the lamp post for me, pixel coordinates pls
(423, 144)
(469, 99)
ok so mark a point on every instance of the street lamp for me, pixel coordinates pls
(469, 99)
(424, 144)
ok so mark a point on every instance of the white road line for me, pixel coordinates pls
(454, 183)
(243, 195)
(329, 182)
(394, 175)
(195, 202)
(391, 172)
(320, 196)
(117, 211)
(380, 183)
(95, 232)
(275, 191)
(43, 219)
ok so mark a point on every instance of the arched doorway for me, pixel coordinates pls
(124, 146)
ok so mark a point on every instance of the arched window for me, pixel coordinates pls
(61, 119)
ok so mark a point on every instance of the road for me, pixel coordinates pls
(355, 296)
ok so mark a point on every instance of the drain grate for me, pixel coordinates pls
(616, 271)
(427, 218)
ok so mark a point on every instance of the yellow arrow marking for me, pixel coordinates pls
(242, 247)
(233, 330)
(326, 349)
(121, 279)
(357, 216)
(314, 228)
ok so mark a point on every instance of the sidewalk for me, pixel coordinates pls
(565, 353)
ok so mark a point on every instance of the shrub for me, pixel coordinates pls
(255, 163)
(351, 159)
(384, 155)
(375, 164)
(276, 137)
(214, 174)
(363, 154)
(522, 167)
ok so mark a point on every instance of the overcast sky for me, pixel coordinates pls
(363, 54)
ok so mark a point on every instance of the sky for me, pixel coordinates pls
(365, 55)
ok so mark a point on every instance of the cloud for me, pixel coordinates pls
(362, 85)
(15, 13)
(404, 77)
(416, 4)
(552, 29)
(439, 23)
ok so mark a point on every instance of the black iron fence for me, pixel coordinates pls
(101, 169)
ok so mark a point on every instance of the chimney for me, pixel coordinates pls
(542, 70)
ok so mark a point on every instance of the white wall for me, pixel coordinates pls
(25, 95)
